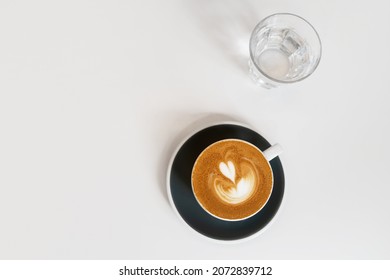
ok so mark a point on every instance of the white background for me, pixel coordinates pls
(96, 95)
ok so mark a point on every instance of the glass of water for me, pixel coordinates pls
(284, 48)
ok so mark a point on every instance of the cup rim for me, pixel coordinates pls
(258, 210)
(274, 79)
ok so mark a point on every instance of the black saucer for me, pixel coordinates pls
(182, 198)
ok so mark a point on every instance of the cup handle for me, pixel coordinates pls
(272, 152)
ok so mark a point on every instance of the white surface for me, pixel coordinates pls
(95, 96)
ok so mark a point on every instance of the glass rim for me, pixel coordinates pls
(274, 79)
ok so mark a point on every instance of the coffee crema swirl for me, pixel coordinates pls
(231, 179)
(236, 184)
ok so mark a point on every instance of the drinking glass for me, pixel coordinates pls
(284, 48)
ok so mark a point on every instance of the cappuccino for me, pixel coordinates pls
(232, 180)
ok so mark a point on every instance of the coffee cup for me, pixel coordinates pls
(232, 179)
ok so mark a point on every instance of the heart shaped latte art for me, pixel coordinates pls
(228, 170)
(235, 190)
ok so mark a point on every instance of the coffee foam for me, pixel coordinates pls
(231, 179)
(231, 188)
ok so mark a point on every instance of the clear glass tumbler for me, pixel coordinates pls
(284, 48)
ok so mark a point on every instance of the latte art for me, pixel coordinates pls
(231, 189)
(231, 179)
